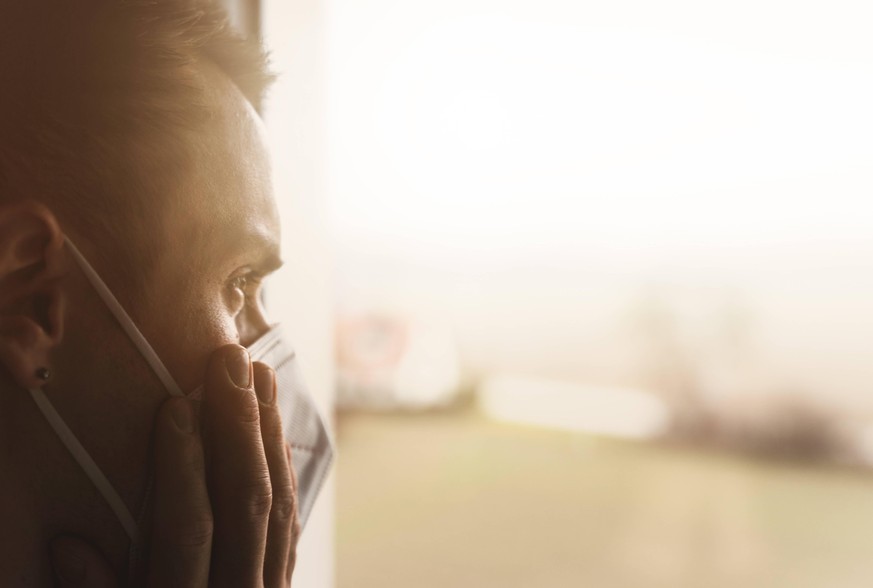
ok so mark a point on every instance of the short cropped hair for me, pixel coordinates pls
(95, 96)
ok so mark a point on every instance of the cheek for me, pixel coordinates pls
(218, 326)
(187, 342)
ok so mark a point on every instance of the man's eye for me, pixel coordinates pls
(240, 283)
(246, 286)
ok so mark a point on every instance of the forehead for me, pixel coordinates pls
(224, 207)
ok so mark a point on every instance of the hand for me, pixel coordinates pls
(225, 493)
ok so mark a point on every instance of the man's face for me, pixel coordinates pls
(218, 239)
(207, 241)
(213, 239)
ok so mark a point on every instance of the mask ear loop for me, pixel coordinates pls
(79, 453)
(126, 323)
(85, 462)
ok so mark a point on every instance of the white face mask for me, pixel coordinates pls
(311, 447)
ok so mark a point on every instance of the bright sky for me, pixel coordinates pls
(573, 157)
(498, 129)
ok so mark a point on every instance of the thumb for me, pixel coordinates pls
(77, 563)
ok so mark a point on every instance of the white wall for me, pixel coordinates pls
(300, 295)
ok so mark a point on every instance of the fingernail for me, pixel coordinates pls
(265, 385)
(66, 562)
(183, 416)
(239, 368)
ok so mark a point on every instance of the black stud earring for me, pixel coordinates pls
(43, 374)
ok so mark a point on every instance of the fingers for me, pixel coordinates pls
(238, 476)
(295, 529)
(183, 524)
(77, 563)
(283, 513)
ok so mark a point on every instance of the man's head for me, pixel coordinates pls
(128, 127)
(132, 121)
(104, 103)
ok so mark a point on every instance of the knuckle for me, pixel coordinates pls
(197, 533)
(259, 500)
(284, 506)
(247, 410)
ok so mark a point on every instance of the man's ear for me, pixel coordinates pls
(31, 296)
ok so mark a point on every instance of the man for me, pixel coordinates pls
(137, 224)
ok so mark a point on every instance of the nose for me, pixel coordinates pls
(251, 326)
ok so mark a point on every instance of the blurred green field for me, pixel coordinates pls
(452, 500)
